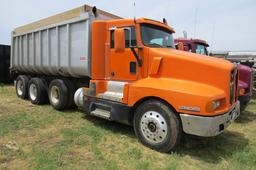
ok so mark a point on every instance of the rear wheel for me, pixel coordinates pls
(37, 91)
(58, 94)
(21, 86)
(157, 126)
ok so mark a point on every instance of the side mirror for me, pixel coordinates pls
(119, 35)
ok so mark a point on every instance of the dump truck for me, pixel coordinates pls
(245, 84)
(124, 70)
(5, 64)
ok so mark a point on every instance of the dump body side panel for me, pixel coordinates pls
(59, 45)
(62, 49)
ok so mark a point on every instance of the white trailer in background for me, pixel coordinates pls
(244, 57)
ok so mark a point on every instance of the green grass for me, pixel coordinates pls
(49, 139)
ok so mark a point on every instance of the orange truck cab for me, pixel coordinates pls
(139, 78)
(124, 70)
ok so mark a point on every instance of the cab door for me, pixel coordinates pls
(123, 65)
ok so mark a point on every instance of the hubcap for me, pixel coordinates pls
(54, 94)
(20, 87)
(153, 127)
(32, 92)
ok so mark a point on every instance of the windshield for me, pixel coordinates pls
(155, 36)
(201, 49)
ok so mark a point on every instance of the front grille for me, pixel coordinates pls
(232, 77)
(254, 78)
(251, 82)
(233, 85)
(236, 85)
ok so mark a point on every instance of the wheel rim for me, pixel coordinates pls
(20, 87)
(33, 92)
(153, 127)
(55, 97)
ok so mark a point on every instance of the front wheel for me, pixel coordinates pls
(157, 126)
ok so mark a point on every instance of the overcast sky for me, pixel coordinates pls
(225, 24)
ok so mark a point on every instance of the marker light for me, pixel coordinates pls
(241, 92)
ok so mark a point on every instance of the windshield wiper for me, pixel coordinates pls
(169, 46)
(154, 44)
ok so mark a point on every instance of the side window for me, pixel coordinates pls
(112, 39)
(133, 38)
(200, 49)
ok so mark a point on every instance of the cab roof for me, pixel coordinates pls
(140, 21)
(196, 41)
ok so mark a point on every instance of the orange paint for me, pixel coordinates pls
(155, 66)
(177, 77)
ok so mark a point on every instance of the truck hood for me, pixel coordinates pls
(245, 73)
(245, 78)
(182, 65)
(194, 58)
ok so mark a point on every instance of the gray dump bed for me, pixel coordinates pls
(59, 45)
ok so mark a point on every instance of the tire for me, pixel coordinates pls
(37, 91)
(21, 86)
(157, 126)
(58, 94)
(71, 92)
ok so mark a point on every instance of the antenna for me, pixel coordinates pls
(134, 9)
(195, 22)
(94, 11)
(213, 35)
(165, 21)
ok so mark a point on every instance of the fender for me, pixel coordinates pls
(178, 93)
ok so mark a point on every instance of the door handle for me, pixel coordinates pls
(113, 74)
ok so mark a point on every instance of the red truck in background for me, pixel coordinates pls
(245, 85)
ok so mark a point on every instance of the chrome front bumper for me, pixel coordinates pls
(209, 126)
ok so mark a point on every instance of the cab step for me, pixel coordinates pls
(114, 91)
(105, 114)
(110, 110)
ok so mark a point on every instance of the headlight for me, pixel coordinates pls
(215, 104)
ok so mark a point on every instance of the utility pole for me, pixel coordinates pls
(195, 22)
(213, 35)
